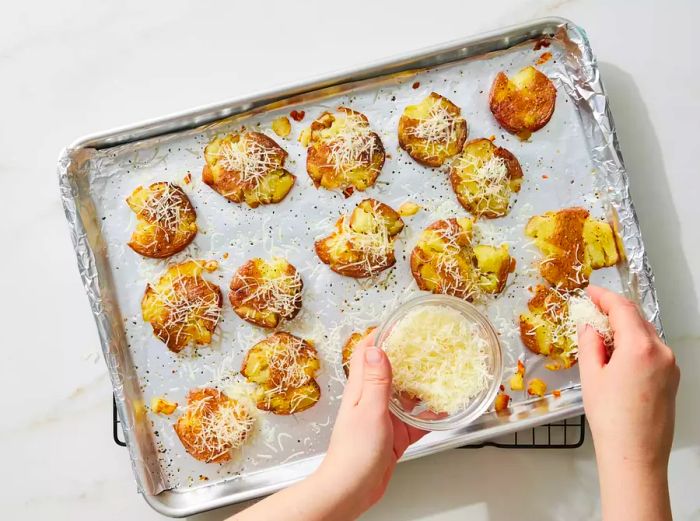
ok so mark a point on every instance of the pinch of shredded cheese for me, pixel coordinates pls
(440, 357)
(353, 146)
(490, 176)
(225, 428)
(438, 127)
(583, 311)
(248, 157)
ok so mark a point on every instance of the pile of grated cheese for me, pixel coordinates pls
(440, 357)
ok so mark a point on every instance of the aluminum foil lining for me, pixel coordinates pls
(95, 181)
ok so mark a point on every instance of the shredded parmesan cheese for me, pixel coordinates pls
(354, 146)
(249, 158)
(583, 311)
(439, 357)
(490, 177)
(438, 127)
(224, 428)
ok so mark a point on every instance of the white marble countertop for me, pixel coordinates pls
(75, 67)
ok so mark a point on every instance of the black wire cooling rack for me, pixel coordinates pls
(565, 434)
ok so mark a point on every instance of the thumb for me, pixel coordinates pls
(591, 352)
(376, 385)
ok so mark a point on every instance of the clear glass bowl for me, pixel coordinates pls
(413, 412)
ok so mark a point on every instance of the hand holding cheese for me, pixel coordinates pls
(630, 406)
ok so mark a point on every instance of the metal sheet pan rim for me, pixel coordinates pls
(157, 503)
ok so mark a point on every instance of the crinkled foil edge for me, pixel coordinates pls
(585, 87)
(73, 165)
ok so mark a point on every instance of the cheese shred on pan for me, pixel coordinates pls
(439, 357)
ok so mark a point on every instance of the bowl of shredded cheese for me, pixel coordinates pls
(446, 362)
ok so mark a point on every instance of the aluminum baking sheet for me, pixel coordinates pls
(574, 160)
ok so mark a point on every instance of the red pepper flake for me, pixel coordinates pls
(545, 176)
(349, 191)
(188, 178)
(556, 393)
(416, 85)
(502, 387)
(225, 255)
(297, 115)
(544, 58)
(542, 42)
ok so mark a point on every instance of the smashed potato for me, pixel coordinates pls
(165, 220)
(264, 293)
(182, 307)
(283, 366)
(247, 167)
(573, 244)
(213, 425)
(545, 328)
(432, 131)
(483, 176)
(444, 261)
(362, 244)
(523, 103)
(349, 346)
(343, 152)
(536, 387)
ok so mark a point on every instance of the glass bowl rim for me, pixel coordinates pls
(461, 418)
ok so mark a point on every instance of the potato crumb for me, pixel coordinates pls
(408, 208)
(536, 387)
(281, 126)
(502, 401)
(160, 405)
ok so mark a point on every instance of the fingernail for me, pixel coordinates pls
(372, 356)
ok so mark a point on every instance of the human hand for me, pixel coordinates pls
(366, 443)
(630, 406)
(367, 439)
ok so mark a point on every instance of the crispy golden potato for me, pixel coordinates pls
(343, 152)
(182, 307)
(536, 387)
(544, 329)
(483, 176)
(493, 264)
(284, 367)
(516, 381)
(432, 131)
(362, 244)
(247, 167)
(281, 126)
(573, 244)
(523, 103)
(501, 402)
(213, 425)
(165, 220)
(160, 405)
(264, 293)
(444, 261)
(408, 209)
(349, 346)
